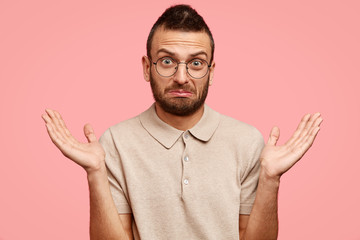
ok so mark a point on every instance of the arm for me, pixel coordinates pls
(243, 220)
(275, 161)
(105, 223)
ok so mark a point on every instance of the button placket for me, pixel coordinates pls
(185, 163)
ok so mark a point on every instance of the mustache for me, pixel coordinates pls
(179, 87)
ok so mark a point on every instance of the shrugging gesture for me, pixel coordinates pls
(276, 160)
(89, 155)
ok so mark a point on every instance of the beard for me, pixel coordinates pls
(180, 106)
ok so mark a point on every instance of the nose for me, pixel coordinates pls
(181, 76)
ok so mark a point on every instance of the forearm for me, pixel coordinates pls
(105, 222)
(104, 219)
(263, 220)
(275, 161)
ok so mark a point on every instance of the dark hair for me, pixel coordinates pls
(180, 17)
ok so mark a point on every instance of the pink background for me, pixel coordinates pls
(276, 60)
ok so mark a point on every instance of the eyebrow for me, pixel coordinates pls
(199, 53)
(165, 51)
(174, 54)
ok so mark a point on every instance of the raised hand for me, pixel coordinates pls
(276, 160)
(89, 155)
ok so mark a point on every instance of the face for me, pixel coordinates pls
(179, 94)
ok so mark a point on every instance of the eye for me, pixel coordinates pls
(167, 61)
(197, 63)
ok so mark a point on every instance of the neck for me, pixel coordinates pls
(180, 122)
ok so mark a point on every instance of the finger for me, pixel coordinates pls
(56, 125)
(65, 131)
(305, 142)
(304, 146)
(312, 136)
(312, 120)
(61, 129)
(313, 131)
(54, 135)
(274, 136)
(62, 123)
(46, 118)
(299, 129)
(53, 118)
(317, 121)
(50, 112)
(89, 133)
(303, 129)
(305, 119)
(43, 117)
(63, 146)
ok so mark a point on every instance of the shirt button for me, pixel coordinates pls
(186, 135)
(186, 182)
(186, 158)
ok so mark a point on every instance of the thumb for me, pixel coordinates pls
(89, 133)
(274, 136)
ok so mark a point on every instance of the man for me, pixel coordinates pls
(180, 170)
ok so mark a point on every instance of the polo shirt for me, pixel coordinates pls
(183, 184)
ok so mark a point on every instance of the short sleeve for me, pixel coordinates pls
(250, 175)
(115, 173)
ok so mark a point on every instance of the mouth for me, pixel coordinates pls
(180, 93)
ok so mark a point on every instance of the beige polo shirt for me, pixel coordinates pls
(183, 184)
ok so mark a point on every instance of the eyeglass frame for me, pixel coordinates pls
(177, 67)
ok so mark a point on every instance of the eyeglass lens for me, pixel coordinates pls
(166, 67)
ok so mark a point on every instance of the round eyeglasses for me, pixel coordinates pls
(167, 67)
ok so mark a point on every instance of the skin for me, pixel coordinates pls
(105, 223)
(182, 46)
(275, 161)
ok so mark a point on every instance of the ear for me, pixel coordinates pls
(146, 67)
(211, 74)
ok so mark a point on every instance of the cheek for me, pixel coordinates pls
(160, 84)
(199, 86)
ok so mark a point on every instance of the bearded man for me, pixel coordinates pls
(181, 170)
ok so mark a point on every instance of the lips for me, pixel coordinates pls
(180, 93)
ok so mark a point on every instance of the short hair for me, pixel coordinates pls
(181, 17)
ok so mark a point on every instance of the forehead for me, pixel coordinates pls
(180, 43)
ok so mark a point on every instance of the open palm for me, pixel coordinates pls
(276, 160)
(89, 155)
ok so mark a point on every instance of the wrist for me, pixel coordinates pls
(266, 179)
(98, 171)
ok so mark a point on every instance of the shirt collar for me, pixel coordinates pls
(167, 135)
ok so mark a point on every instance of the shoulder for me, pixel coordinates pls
(124, 128)
(238, 129)
(128, 125)
(241, 139)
